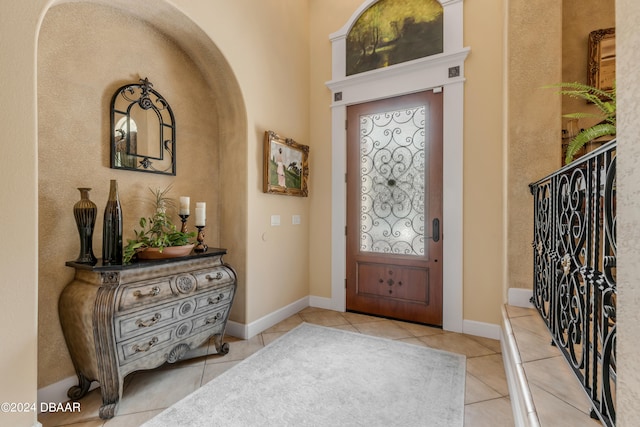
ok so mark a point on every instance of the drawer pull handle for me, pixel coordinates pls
(146, 347)
(213, 319)
(218, 276)
(146, 323)
(152, 293)
(215, 300)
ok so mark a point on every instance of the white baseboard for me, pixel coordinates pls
(481, 329)
(244, 331)
(519, 297)
(326, 303)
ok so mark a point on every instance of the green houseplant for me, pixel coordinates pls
(157, 231)
(605, 100)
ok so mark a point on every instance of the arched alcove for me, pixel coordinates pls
(86, 50)
(444, 71)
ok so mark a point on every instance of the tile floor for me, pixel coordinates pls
(557, 395)
(147, 393)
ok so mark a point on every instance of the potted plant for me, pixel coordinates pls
(158, 237)
(605, 100)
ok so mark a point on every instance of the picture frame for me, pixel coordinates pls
(286, 166)
(601, 71)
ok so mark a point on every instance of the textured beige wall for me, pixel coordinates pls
(267, 45)
(483, 161)
(278, 257)
(75, 87)
(579, 18)
(18, 217)
(628, 231)
(534, 59)
(327, 16)
(534, 141)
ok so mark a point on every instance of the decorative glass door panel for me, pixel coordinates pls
(392, 167)
(394, 208)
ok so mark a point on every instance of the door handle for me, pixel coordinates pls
(435, 229)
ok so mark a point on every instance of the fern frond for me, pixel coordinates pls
(588, 135)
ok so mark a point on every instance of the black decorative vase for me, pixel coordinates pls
(112, 228)
(84, 211)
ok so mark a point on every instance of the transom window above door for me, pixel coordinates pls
(394, 31)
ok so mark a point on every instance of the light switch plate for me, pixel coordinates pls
(295, 219)
(275, 220)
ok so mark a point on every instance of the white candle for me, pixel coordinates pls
(201, 214)
(184, 205)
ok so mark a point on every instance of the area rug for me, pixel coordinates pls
(318, 376)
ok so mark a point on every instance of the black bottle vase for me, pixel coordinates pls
(84, 211)
(112, 228)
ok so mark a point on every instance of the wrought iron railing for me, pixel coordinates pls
(574, 252)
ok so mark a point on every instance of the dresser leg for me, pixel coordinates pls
(108, 411)
(221, 347)
(79, 391)
(110, 401)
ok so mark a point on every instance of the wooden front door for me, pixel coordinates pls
(394, 208)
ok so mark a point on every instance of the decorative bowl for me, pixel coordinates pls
(168, 252)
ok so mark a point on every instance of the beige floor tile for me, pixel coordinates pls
(533, 324)
(491, 344)
(271, 337)
(130, 420)
(419, 330)
(214, 370)
(554, 376)
(92, 423)
(490, 370)
(457, 343)
(150, 390)
(533, 346)
(349, 328)
(477, 391)
(555, 412)
(89, 407)
(490, 413)
(514, 311)
(385, 329)
(414, 341)
(361, 318)
(239, 349)
(324, 318)
(286, 325)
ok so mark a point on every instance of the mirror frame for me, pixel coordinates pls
(145, 97)
(597, 72)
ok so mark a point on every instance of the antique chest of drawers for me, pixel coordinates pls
(121, 319)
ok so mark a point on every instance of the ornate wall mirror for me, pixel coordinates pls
(143, 131)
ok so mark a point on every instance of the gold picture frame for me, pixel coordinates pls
(286, 166)
(601, 72)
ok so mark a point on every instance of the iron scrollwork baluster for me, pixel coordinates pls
(574, 270)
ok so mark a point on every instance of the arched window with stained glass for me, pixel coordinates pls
(394, 31)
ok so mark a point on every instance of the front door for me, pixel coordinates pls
(394, 208)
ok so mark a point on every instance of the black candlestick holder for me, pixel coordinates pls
(201, 246)
(183, 218)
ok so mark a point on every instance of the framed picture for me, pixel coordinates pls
(286, 166)
(602, 59)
